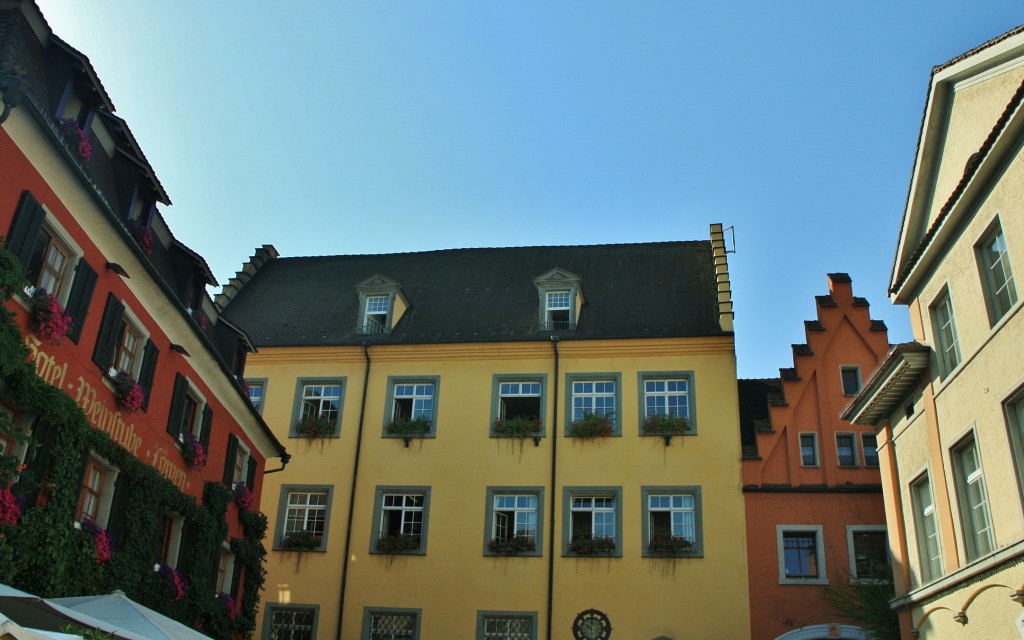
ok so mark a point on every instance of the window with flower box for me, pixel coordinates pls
(411, 407)
(400, 517)
(381, 623)
(303, 516)
(593, 399)
(290, 621)
(672, 521)
(97, 491)
(190, 418)
(517, 408)
(668, 403)
(319, 403)
(506, 625)
(514, 524)
(593, 521)
(123, 344)
(228, 571)
(169, 540)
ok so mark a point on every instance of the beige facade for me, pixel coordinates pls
(950, 406)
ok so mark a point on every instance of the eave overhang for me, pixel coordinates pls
(889, 385)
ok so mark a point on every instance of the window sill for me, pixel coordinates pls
(411, 552)
(536, 438)
(807, 581)
(284, 549)
(659, 555)
(297, 436)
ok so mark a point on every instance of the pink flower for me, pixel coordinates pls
(49, 318)
(243, 496)
(10, 507)
(147, 241)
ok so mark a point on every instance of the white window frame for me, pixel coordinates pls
(947, 339)
(240, 465)
(926, 528)
(58, 233)
(851, 531)
(261, 384)
(819, 553)
(380, 511)
(285, 507)
(301, 399)
(571, 494)
(978, 537)
(226, 559)
(132, 320)
(986, 265)
(371, 317)
(814, 445)
(493, 512)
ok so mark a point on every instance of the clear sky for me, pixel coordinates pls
(388, 126)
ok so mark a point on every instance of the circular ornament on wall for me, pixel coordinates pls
(591, 625)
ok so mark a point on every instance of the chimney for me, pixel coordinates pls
(721, 264)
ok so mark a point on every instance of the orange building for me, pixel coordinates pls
(811, 483)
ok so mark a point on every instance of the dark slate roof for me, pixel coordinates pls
(650, 290)
(754, 396)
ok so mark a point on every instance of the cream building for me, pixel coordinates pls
(949, 407)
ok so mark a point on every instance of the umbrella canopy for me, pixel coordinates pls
(10, 629)
(43, 616)
(119, 610)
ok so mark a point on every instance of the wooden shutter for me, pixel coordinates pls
(235, 575)
(146, 372)
(229, 460)
(116, 523)
(204, 433)
(177, 406)
(110, 332)
(28, 221)
(80, 297)
(250, 475)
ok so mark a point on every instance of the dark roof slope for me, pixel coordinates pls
(651, 290)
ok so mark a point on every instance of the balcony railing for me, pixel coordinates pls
(559, 325)
(372, 325)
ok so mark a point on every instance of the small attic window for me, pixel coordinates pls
(560, 297)
(558, 309)
(381, 305)
(375, 319)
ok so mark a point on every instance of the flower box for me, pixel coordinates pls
(129, 394)
(669, 545)
(663, 425)
(591, 546)
(49, 319)
(398, 543)
(411, 426)
(243, 496)
(175, 580)
(314, 427)
(517, 427)
(101, 537)
(193, 452)
(592, 425)
(301, 541)
(78, 138)
(512, 546)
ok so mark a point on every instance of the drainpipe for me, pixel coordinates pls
(11, 88)
(352, 492)
(551, 510)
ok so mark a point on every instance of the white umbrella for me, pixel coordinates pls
(121, 611)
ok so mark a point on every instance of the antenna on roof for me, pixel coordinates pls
(732, 234)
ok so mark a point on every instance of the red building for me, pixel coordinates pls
(811, 484)
(111, 419)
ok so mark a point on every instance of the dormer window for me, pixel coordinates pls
(558, 309)
(381, 305)
(376, 318)
(561, 297)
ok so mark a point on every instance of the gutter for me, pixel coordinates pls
(551, 510)
(352, 491)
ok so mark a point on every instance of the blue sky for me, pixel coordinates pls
(378, 127)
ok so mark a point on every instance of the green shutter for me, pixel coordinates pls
(110, 331)
(28, 221)
(177, 406)
(80, 297)
(146, 372)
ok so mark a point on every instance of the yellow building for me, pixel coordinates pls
(536, 442)
(949, 407)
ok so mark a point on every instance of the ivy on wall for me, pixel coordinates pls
(43, 553)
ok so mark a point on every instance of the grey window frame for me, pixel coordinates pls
(482, 616)
(947, 338)
(853, 445)
(263, 383)
(552, 281)
(300, 385)
(698, 518)
(643, 377)
(1013, 410)
(496, 382)
(996, 312)
(389, 404)
(585, 491)
(817, 455)
(864, 449)
(282, 513)
(369, 612)
(268, 616)
(491, 492)
(851, 531)
(570, 378)
(378, 508)
(819, 539)
(842, 380)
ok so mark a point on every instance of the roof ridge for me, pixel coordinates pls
(618, 245)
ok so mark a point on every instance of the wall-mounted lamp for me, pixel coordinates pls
(118, 269)
(1017, 596)
(961, 617)
(180, 349)
(914, 632)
